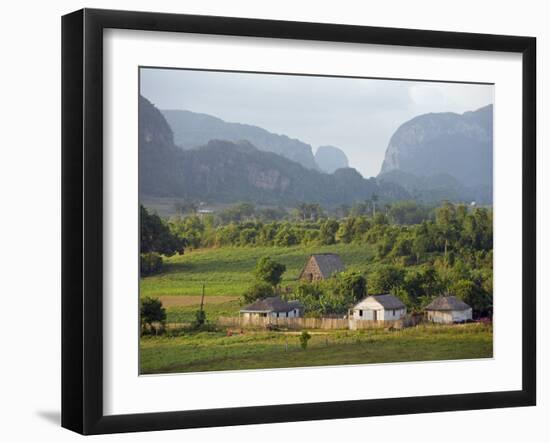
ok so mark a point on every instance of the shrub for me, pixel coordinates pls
(385, 278)
(200, 319)
(351, 284)
(155, 235)
(286, 237)
(327, 232)
(247, 236)
(150, 263)
(257, 291)
(304, 338)
(151, 312)
(310, 294)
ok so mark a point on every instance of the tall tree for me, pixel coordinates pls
(327, 232)
(446, 221)
(269, 271)
(155, 235)
(374, 199)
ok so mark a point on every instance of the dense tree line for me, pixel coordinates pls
(404, 229)
(451, 255)
(420, 252)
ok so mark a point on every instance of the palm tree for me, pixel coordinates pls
(374, 199)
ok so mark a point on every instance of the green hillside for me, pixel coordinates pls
(228, 271)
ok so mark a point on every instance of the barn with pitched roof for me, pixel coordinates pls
(382, 307)
(448, 309)
(321, 266)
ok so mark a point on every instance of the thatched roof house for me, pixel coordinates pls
(448, 309)
(378, 307)
(321, 266)
(273, 307)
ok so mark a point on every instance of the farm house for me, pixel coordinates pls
(378, 307)
(448, 309)
(321, 266)
(273, 307)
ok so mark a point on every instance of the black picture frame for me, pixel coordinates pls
(82, 217)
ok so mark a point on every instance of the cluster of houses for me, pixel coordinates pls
(382, 307)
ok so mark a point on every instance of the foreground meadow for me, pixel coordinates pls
(214, 351)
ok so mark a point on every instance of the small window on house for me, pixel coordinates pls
(393, 312)
(287, 314)
(277, 315)
(360, 313)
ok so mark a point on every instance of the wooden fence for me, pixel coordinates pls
(284, 322)
(405, 322)
(314, 323)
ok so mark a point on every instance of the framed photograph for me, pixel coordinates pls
(269, 221)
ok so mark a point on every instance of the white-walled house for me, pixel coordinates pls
(274, 307)
(384, 307)
(448, 309)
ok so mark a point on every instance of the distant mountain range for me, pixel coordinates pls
(226, 171)
(429, 158)
(192, 130)
(437, 187)
(331, 158)
(159, 158)
(443, 155)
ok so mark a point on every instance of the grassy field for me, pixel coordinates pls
(228, 271)
(214, 351)
(182, 308)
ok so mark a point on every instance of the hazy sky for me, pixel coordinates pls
(357, 115)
